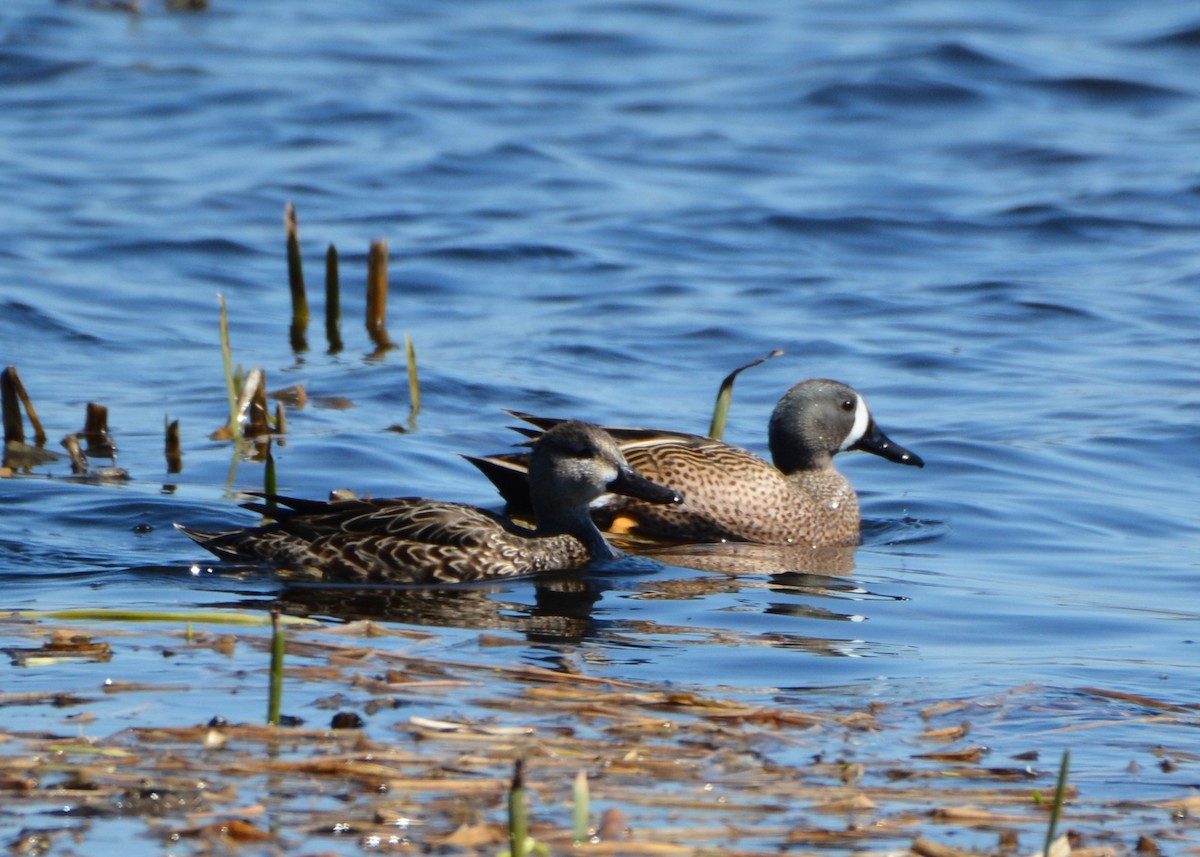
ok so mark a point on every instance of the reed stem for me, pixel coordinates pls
(581, 807)
(275, 693)
(377, 289)
(299, 326)
(1060, 796)
(518, 812)
(234, 425)
(171, 446)
(333, 301)
(414, 384)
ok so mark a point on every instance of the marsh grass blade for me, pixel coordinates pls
(234, 426)
(716, 428)
(414, 384)
(1060, 796)
(299, 327)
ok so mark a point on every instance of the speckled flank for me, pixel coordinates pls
(732, 494)
(414, 540)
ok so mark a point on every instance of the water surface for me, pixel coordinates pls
(984, 217)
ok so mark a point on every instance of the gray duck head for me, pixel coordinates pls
(573, 464)
(818, 418)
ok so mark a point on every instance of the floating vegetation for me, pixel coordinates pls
(716, 428)
(435, 755)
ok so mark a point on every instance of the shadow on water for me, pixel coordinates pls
(601, 606)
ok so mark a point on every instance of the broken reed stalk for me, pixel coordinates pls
(234, 425)
(14, 391)
(414, 384)
(333, 301)
(1060, 795)
(580, 808)
(377, 289)
(299, 326)
(10, 405)
(95, 432)
(721, 409)
(79, 462)
(275, 691)
(518, 812)
(171, 446)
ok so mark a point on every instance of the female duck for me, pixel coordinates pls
(412, 540)
(732, 494)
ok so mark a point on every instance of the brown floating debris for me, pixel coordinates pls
(299, 326)
(295, 396)
(62, 645)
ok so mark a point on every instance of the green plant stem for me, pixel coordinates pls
(716, 428)
(518, 812)
(1060, 796)
(275, 694)
(235, 427)
(414, 384)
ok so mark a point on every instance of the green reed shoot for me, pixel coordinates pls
(1060, 795)
(275, 692)
(333, 301)
(299, 326)
(231, 386)
(580, 808)
(518, 812)
(414, 384)
(721, 409)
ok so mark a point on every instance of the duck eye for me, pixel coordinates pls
(847, 404)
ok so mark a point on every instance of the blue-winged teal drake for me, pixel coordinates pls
(732, 494)
(414, 540)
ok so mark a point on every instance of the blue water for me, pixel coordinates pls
(983, 216)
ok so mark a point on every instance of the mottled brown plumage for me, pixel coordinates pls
(416, 540)
(732, 494)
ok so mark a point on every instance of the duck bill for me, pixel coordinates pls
(633, 484)
(878, 443)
